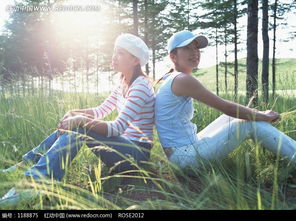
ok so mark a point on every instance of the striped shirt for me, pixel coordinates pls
(135, 118)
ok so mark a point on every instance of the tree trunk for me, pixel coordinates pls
(135, 16)
(97, 69)
(225, 56)
(81, 74)
(42, 84)
(87, 65)
(217, 64)
(274, 48)
(24, 85)
(49, 86)
(188, 15)
(265, 61)
(2, 87)
(146, 31)
(235, 52)
(252, 52)
(153, 45)
(75, 77)
(17, 87)
(32, 85)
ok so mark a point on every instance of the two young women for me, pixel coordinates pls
(131, 133)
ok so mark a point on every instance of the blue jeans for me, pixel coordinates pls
(56, 152)
(224, 134)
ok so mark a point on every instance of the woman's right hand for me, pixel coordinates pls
(72, 122)
(69, 114)
(271, 116)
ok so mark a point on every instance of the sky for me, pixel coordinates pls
(285, 49)
(3, 13)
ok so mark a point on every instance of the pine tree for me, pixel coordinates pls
(220, 18)
(278, 11)
(213, 20)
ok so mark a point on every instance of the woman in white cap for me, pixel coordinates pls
(129, 135)
(174, 111)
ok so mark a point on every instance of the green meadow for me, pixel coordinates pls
(250, 178)
(285, 76)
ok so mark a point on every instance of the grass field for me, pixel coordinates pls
(285, 76)
(250, 178)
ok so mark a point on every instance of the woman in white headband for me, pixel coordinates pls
(174, 111)
(130, 134)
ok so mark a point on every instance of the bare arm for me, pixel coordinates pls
(94, 125)
(98, 112)
(86, 112)
(93, 113)
(186, 85)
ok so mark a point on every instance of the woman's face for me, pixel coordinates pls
(123, 61)
(187, 57)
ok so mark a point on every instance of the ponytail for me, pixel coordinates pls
(157, 81)
(174, 51)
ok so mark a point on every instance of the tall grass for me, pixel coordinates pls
(250, 178)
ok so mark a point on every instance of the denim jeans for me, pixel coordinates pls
(56, 152)
(224, 134)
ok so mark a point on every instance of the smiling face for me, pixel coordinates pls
(186, 58)
(123, 61)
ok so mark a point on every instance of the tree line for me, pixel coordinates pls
(32, 46)
(278, 9)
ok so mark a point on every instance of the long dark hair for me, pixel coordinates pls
(136, 73)
(174, 51)
(160, 79)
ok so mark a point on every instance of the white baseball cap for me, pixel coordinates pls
(134, 45)
(183, 38)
